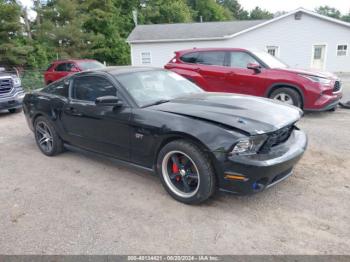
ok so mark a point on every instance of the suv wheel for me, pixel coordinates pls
(287, 95)
(186, 172)
(46, 137)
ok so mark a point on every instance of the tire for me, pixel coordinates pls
(46, 137)
(198, 173)
(291, 96)
(345, 105)
(15, 110)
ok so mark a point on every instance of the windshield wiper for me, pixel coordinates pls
(158, 102)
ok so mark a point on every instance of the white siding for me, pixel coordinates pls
(294, 38)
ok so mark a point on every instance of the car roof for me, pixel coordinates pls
(119, 70)
(185, 51)
(72, 60)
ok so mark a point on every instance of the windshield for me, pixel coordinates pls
(151, 87)
(88, 65)
(270, 60)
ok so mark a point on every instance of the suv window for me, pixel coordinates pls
(190, 58)
(241, 59)
(61, 67)
(88, 88)
(212, 58)
(60, 88)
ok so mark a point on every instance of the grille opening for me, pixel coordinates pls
(337, 86)
(6, 85)
(276, 138)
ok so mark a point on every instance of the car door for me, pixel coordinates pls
(103, 129)
(242, 80)
(212, 66)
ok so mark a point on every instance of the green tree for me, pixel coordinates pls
(104, 20)
(329, 11)
(209, 10)
(13, 48)
(163, 11)
(235, 8)
(60, 30)
(258, 13)
(346, 18)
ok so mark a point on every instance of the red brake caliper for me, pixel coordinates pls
(176, 171)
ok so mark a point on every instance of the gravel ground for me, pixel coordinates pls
(77, 204)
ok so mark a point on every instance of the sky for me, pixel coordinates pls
(281, 5)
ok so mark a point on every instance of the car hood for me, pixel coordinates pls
(310, 72)
(249, 114)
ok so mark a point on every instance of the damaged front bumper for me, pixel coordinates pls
(252, 174)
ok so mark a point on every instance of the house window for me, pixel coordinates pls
(318, 52)
(342, 50)
(272, 50)
(146, 58)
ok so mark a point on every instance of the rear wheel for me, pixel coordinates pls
(186, 172)
(287, 95)
(46, 137)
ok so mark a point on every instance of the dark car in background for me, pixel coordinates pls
(62, 68)
(195, 140)
(11, 91)
(257, 73)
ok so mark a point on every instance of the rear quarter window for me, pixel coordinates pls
(190, 58)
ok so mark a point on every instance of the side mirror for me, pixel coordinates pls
(108, 101)
(255, 67)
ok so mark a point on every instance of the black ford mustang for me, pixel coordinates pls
(196, 141)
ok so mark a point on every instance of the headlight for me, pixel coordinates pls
(249, 146)
(316, 79)
(16, 81)
(21, 96)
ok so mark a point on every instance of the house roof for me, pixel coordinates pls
(187, 31)
(208, 30)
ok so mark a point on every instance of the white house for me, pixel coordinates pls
(301, 38)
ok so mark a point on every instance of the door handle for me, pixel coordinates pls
(198, 70)
(231, 74)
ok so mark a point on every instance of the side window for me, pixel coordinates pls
(88, 88)
(60, 88)
(212, 58)
(190, 58)
(241, 59)
(69, 67)
(61, 67)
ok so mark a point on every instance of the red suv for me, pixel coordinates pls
(257, 73)
(62, 68)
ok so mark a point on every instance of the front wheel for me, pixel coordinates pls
(186, 172)
(287, 95)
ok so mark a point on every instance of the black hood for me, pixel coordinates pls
(253, 115)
